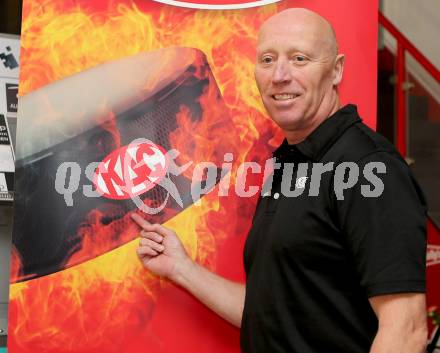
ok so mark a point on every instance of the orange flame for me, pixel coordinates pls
(15, 266)
(204, 139)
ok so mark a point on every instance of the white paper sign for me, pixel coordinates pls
(9, 55)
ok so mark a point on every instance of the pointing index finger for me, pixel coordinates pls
(143, 223)
(158, 228)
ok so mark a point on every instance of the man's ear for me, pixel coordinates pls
(338, 69)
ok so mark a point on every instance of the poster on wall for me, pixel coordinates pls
(8, 105)
(6, 163)
(9, 69)
(138, 106)
(11, 90)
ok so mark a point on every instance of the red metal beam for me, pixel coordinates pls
(410, 47)
(401, 100)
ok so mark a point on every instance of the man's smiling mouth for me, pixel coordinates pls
(284, 96)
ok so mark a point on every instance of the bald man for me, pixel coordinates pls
(324, 273)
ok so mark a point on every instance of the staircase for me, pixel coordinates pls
(409, 116)
(416, 107)
(424, 149)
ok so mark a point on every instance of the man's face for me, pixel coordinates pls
(295, 71)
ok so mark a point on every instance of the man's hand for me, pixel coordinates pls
(160, 250)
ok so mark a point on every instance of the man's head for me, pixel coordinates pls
(298, 70)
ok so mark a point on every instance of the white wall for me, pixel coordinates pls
(419, 21)
(5, 250)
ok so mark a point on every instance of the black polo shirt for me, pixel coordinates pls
(312, 262)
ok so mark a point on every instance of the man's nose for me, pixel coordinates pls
(282, 72)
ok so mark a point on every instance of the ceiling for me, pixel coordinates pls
(10, 16)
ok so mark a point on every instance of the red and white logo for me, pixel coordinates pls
(131, 170)
(433, 255)
(217, 4)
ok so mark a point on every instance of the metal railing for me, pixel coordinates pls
(403, 46)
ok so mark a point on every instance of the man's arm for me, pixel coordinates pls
(161, 252)
(402, 323)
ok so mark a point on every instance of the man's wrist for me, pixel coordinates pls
(182, 271)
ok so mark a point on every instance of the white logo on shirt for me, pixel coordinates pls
(301, 183)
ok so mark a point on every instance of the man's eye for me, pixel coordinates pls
(266, 60)
(299, 58)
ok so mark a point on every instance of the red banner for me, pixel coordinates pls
(91, 73)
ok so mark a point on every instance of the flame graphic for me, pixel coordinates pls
(107, 303)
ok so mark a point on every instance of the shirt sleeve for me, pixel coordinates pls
(385, 235)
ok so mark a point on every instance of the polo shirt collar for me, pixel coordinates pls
(324, 136)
